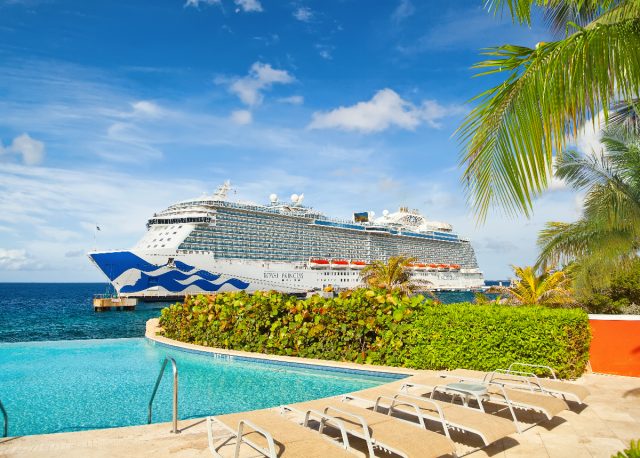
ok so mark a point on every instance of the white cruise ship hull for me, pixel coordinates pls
(140, 274)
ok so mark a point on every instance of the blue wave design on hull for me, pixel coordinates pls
(116, 263)
(185, 267)
(169, 282)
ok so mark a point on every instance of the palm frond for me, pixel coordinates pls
(559, 11)
(509, 138)
(626, 115)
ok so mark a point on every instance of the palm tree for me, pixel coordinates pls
(550, 288)
(607, 236)
(393, 274)
(548, 93)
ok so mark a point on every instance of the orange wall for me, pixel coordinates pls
(615, 347)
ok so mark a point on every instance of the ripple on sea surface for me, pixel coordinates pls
(64, 311)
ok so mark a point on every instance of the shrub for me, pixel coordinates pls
(487, 337)
(382, 327)
(622, 295)
(362, 325)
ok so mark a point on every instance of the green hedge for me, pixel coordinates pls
(380, 327)
(486, 337)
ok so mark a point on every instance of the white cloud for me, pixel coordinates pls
(147, 108)
(31, 150)
(242, 117)
(17, 260)
(324, 51)
(404, 9)
(588, 138)
(432, 112)
(384, 110)
(293, 100)
(197, 3)
(261, 77)
(249, 6)
(303, 14)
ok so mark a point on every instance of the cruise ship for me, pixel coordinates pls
(212, 244)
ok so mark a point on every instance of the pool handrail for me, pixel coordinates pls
(175, 392)
(6, 420)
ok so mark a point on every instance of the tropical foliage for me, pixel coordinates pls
(393, 274)
(621, 295)
(632, 452)
(549, 92)
(550, 288)
(607, 236)
(384, 327)
(486, 337)
(361, 325)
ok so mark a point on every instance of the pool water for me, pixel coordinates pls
(61, 386)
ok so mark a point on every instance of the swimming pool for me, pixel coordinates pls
(61, 386)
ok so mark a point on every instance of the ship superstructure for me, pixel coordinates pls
(211, 244)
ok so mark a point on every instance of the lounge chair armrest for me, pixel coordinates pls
(270, 452)
(422, 399)
(405, 400)
(537, 366)
(326, 418)
(361, 420)
(517, 378)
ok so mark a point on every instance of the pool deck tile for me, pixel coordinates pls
(602, 427)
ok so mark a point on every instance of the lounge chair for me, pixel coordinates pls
(272, 435)
(517, 376)
(489, 428)
(493, 392)
(377, 430)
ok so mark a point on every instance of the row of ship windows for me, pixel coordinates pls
(308, 232)
(341, 274)
(270, 244)
(422, 254)
(239, 231)
(235, 219)
(255, 256)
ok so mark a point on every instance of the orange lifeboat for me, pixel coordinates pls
(339, 263)
(417, 266)
(433, 266)
(455, 267)
(357, 264)
(443, 266)
(318, 263)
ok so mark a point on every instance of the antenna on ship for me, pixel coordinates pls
(221, 192)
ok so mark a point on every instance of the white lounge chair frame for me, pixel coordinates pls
(269, 452)
(466, 395)
(364, 435)
(529, 380)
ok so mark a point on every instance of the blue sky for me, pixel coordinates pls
(114, 110)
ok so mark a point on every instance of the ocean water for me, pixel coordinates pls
(73, 385)
(64, 311)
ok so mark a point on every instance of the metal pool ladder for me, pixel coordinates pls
(155, 390)
(6, 420)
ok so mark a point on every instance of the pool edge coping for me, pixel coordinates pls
(393, 373)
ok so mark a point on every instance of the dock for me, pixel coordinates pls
(102, 303)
